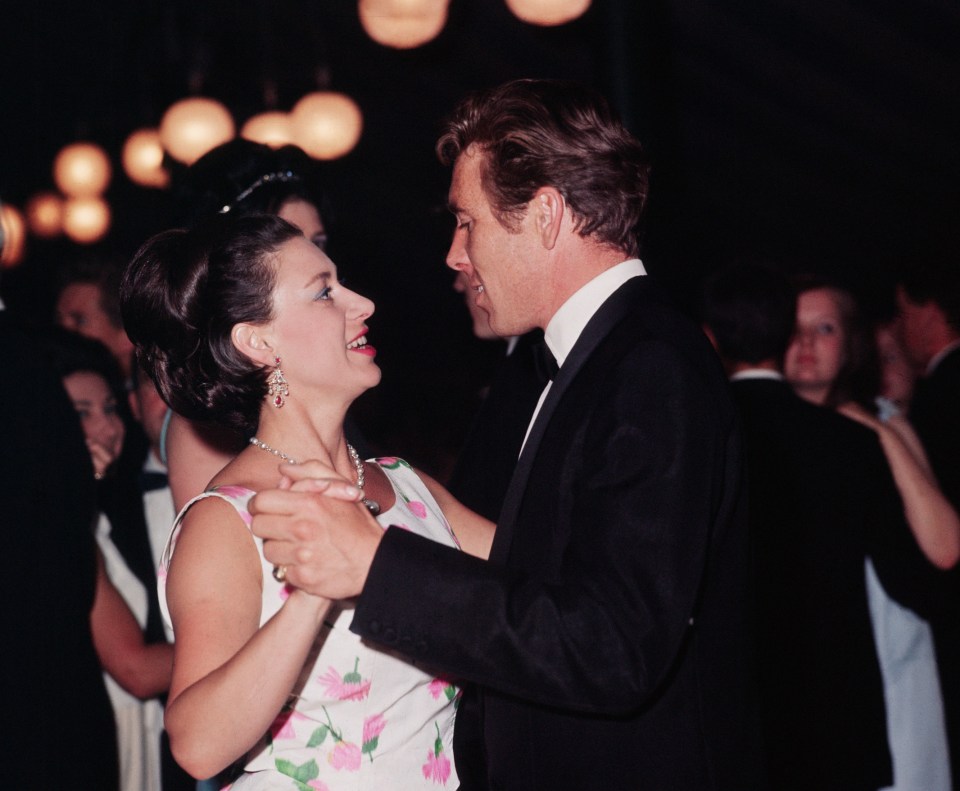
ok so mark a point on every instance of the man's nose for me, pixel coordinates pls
(457, 254)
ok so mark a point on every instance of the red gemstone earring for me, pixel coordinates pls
(277, 386)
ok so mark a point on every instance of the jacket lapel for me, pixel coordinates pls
(610, 313)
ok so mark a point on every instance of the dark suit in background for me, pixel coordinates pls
(59, 729)
(821, 501)
(607, 633)
(486, 462)
(935, 414)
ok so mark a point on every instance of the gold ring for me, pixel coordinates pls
(279, 573)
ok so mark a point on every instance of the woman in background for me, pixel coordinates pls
(136, 673)
(832, 362)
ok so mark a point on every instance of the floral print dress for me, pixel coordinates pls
(361, 716)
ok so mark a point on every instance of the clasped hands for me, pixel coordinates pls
(314, 527)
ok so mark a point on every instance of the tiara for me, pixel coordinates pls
(280, 176)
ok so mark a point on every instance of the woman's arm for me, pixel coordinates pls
(142, 670)
(231, 677)
(932, 519)
(474, 532)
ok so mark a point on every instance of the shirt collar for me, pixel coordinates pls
(567, 323)
(757, 373)
(938, 357)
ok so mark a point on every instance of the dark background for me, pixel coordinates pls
(820, 134)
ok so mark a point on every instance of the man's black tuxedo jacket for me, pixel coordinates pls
(822, 500)
(935, 414)
(607, 634)
(59, 729)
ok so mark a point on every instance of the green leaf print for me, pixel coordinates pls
(353, 677)
(370, 746)
(303, 774)
(318, 736)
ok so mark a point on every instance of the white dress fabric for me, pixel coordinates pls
(139, 722)
(916, 729)
(360, 717)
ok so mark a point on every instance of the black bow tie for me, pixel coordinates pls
(151, 481)
(544, 363)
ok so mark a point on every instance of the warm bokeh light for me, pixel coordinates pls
(14, 236)
(82, 170)
(548, 12)
(270, 129)
(45, 215)
(86, 220)
(143, 159)
(326, 125)
(403, 24)
(191, 127)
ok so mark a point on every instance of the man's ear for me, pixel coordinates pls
(252, 341)
(549, 207)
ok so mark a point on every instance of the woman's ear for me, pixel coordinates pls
(549, 207)
(251, 341)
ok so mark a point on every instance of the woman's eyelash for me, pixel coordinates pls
(324, 293)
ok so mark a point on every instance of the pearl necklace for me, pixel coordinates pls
(372, 505)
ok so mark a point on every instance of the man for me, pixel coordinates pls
(928, 306)
(606, 633)
(822, 502)
(88, 302)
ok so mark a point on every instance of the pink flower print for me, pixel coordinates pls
(441, 686)
(390, 462)
(345, 755)
(437, 767)
(349, 687)
(282, 727)
(417, 508)
(372, 728)
(318, 785)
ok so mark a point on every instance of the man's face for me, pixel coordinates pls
(79, 309)
(499, 266)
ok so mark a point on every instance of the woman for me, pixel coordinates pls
(832, 362)
(135, 673)
(243, 321)
(239, 177)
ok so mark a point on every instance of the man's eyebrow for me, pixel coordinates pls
(453, 207)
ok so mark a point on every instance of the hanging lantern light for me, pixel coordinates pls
(191, 127)
(403, 24)
(13, 236)
(548, 12)
(45, 215)
(86, 220)
(82, 170)
(270, 129)
(142, 159)
(326, 125)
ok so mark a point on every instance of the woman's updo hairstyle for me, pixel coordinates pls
(181, 296)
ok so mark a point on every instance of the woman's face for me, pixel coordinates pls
(319, 326)
(816, 353)
(305, 216)
(97, 407)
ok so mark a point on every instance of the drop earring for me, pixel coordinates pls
(277, 386)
